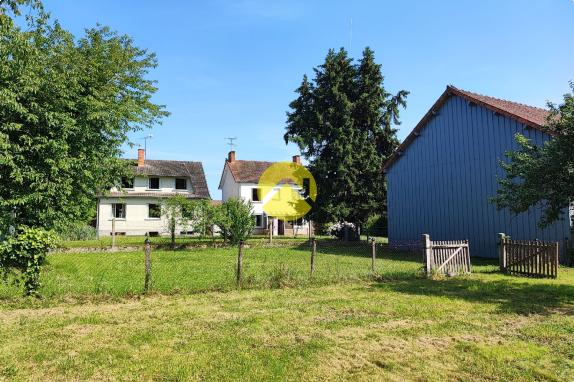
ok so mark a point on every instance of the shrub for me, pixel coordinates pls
(234, 218)
(76, 231)
(23, 254)
(338, 230)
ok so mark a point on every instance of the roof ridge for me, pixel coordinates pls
(496, 98)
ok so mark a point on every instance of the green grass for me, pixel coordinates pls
(89, 275)
(131, 241)
(94, 324)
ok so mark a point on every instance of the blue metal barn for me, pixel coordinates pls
(441, 177)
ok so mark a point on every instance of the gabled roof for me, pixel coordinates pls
(173, 168)
(245, 171)
(534, 117)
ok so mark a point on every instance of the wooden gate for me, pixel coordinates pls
(529, 258)
(446, 257)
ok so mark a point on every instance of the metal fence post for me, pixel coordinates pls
(427, 253)
(147, 251)
(313, 253)
(240, 264)
(502, 252)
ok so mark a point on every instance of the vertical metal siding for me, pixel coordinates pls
(442, 183)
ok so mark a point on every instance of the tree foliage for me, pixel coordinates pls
(542, 176)
(23, 254)
(342, 121)
(66, 108)
(235, 219)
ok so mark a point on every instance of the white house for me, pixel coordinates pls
(240, 178)
(135, 208)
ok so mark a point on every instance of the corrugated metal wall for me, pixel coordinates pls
(442, 183)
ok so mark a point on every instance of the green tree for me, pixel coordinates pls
(342, 122)
(66, 108)
(235, 220)
(542, 176)
(178, 213)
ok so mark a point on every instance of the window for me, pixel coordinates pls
(154, 183)
(153, 234)
(255, 194)
(181, 184)
(259, 221)
(127, 182)
(306, 187)
(154, 211)
(118, 210)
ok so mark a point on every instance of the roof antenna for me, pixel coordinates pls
(231, 143)
(350, 35)
(149, 136)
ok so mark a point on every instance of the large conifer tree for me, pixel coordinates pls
(343, 123)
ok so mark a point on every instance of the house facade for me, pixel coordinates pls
(240, 178)
(135, 208)
(441, 178)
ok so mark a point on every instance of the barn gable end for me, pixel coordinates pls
(441, 180)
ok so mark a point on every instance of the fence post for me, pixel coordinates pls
(270, 225)
(502, 252)
(313, 253)
(114, 233)
(374, 254)
(147, 251)
(427, 253)
(240, 263)
(555, 260)
(566, 253)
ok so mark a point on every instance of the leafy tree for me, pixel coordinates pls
(542, 175)
(177, 211)
(342, 122)
(66, 108)
(235, 219)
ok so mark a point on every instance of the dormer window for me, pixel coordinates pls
(154, 183)
(127, 182)
(180, 184)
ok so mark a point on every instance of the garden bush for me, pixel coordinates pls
(22, 256)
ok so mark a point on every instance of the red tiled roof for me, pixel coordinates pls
(528, 115)
(248, 171)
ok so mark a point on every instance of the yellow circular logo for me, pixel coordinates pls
(286, 189)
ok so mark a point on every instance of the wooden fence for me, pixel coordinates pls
(528, 258)
(446, 257)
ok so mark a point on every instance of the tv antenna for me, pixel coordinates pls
(231, 142)
(149, 136)
(350, 35)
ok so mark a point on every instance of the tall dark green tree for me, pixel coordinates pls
(542, 176)
(67, 106)
(342, 122)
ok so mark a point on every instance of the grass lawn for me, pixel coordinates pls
(93, 323)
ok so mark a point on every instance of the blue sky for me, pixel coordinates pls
(229, 68)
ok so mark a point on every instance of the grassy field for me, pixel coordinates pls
(131, 241)
(94, 324)
(102, 275)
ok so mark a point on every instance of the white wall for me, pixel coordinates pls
(136, 222)
(166, 184)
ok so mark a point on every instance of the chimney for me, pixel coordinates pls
(141, 157)
(297, 159)
(231, 157)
